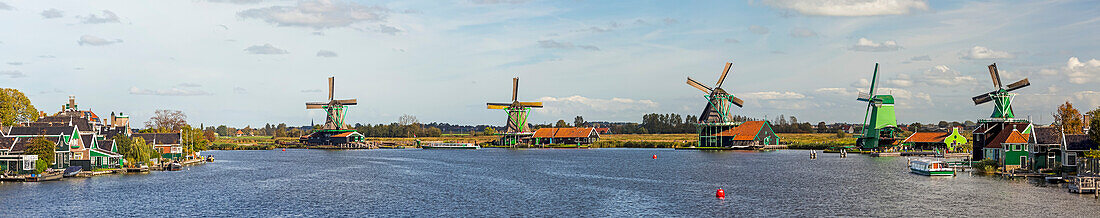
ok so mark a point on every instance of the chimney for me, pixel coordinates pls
(72, 101)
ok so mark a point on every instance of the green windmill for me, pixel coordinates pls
(880, 126)
(1001, 96)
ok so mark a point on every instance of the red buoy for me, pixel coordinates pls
(284, 149)
(721, 194)
(654, 156)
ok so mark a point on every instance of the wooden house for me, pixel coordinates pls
(65, 137)
(1009, 150)
(1045, 150)
(938, 141)
(168, 144)
(750, 134)
(577, 136)
(1075, 147)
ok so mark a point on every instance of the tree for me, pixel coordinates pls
(489, 131)
(1094, 125)
(407, 120)
(194, 140)
(209, 135)
(578, 121)
(561, 124)
(171, 120)
(134, 150)
(15, 107)
(43, 148)
(1068, 119)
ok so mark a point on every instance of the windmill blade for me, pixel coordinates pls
(331, 81)
(347, 102)
(1018, 84)
(737, 101)
(699, 86)
(983, 98)
(315, 105)
(531, 104)
(497, 106)
(515, 87)
(863, 96)
(996, 76)
(723, 77)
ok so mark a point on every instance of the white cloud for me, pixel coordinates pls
(96, 41)
(190, 85)
(772, 95)
(758, 29)
(578, 105)
(732, 40)
(1091, 99)
(493, 2)
(16, 63)
(1082, 72)
(13, 74)
(318, 14)
(326, 53)
(850, 7)
(52, 13)
(983, 53)
(386, 29)
(5, 6)
(941, 76)
(861, 83)
(844, 92)
(864, 44)
(107, 17)
(905, 95)
(798, 32)
(239, 90)
(167, 92)
(921, 58)
(264, 49)
(565, 45)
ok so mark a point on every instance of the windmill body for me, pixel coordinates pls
(516, 125)
(716, 127)
(335, 132)
(1003, 119)
(880, 124)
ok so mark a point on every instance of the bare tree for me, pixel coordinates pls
(407, 120)
(172, 120)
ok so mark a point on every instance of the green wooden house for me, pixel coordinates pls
(1009, 149)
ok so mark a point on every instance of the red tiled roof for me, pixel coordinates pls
(1013, 137)
(346, 134)
(1017, 138)
(603, 130)
(927, 137)
(745, 132)
(545, 133)
(563, 132)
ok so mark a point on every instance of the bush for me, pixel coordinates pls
(41, 166)
(985, 166)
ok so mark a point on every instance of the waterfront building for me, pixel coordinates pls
(1045, 150)
(934, 140)
(1075, 146)
(1009, 150)
(168, 144)
(568, 136)
(65, 137)
(754, 134)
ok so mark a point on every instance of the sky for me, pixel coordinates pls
(251, 62)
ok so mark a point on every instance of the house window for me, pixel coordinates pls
(1071, 159)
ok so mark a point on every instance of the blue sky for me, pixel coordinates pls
(248, 62)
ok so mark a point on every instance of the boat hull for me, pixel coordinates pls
(932, 173)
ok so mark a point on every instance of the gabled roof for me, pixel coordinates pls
(88, 140)
(108, 145)
(41, 130)
(1082, 142)
(927, 137)
(1047, 135)
(22, 144)
(160, 138)
(745, 132)
(64, 120)
(343, 135)
(7, 142)
(564, 132)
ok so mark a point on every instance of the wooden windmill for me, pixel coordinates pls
(336, 110)
(720, 102)
(517, 111)
(1000, 95)
(880, 125)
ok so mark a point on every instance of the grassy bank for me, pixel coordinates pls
(816, 141)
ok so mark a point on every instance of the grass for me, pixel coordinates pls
(817, 141)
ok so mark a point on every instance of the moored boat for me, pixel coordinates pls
(72, 171)
(930, 168)
(450, 146)
(174, 166)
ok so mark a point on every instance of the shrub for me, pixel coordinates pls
(985, 166)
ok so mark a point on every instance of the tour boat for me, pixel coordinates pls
(930, 168)
(450, 146)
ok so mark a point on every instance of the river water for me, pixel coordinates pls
(536, 182)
